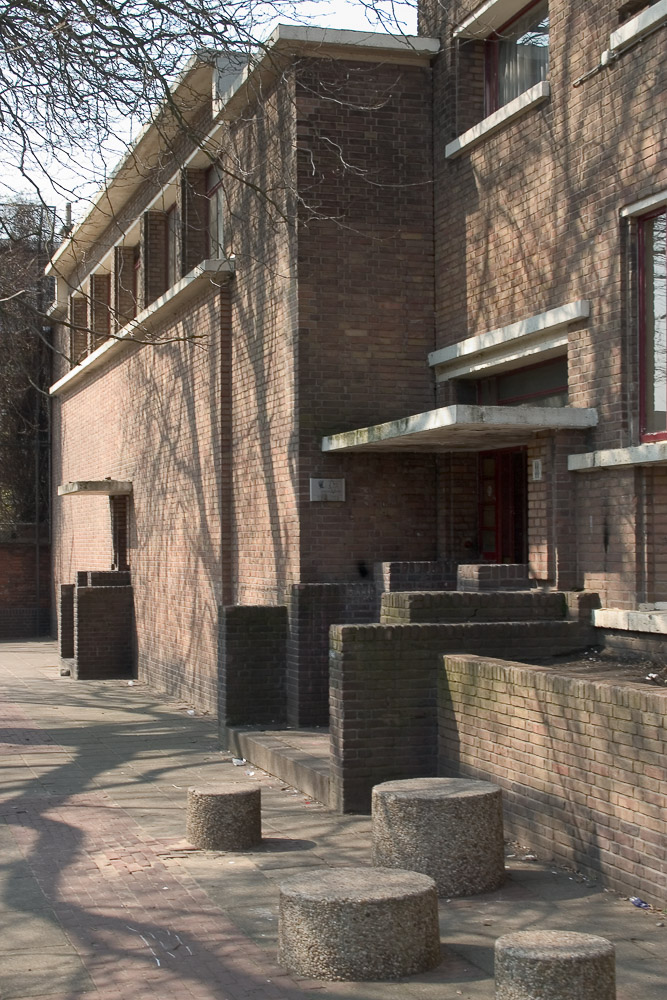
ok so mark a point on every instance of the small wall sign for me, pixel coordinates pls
(327, 489)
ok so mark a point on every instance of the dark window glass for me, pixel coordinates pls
(216, 207)
(518, 56)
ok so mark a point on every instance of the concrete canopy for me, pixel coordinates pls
(462, 428)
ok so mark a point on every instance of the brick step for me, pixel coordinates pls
(450, 606)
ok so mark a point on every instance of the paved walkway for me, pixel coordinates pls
(101, 896)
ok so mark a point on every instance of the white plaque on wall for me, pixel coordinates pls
(327, 489)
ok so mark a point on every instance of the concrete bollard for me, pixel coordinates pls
(448, 828)
(554, 965)
(358, 924)
(224, 817)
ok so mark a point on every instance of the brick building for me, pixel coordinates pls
(387, 314)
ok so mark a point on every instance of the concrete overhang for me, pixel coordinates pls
(96, 487)
(462, 428)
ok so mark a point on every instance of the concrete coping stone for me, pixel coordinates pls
(224, 817)
(554, 965)
(450, 829)
(358, 924)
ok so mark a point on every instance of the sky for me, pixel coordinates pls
(77, 182)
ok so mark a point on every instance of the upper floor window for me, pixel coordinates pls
(517, 56)
(216, 207)
(653, 322)
(173, 246)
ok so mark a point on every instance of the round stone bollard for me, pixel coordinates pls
(358, 924)
(448, 828)
(554, 965)
(224, 817)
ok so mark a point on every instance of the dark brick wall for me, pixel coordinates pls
(455, 606)
(581, 764)
(103, 632)
(312, 609)
(383, 693)
(23, 611)
(251, 678)
(66, 620)
(400, 576)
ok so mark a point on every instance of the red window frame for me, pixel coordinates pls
(491, 85)
(645, 434)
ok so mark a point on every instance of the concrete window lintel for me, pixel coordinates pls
(488, 18)
(544, 334)
(638, 26)
(531, 98)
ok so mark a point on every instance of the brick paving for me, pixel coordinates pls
(100, 895)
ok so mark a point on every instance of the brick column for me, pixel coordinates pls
(123, 305)
(193, 209)
(153, 262)
(99, 315)
(78, 331)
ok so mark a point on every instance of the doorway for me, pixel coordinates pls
(503, 515)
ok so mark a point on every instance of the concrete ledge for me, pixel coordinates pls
(631, 621)
(651, 453)
(499, 119)
(96, 487)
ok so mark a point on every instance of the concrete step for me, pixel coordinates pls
(299, 757)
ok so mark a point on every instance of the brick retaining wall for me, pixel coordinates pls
(312, 608)
(383, 687)
(103, 632)
(251, 676)
(581, 763)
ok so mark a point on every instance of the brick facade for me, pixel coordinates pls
(359, 247)
(580, 762)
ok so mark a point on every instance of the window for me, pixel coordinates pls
(542, 384)
(173, 246)
(517, 56)
(653, 323)
(216, 198)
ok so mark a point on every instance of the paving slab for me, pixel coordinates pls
(101, 896)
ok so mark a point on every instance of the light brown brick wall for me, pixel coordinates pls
(580, 762)
(153, 417)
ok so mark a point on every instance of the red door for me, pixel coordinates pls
(503, 506)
